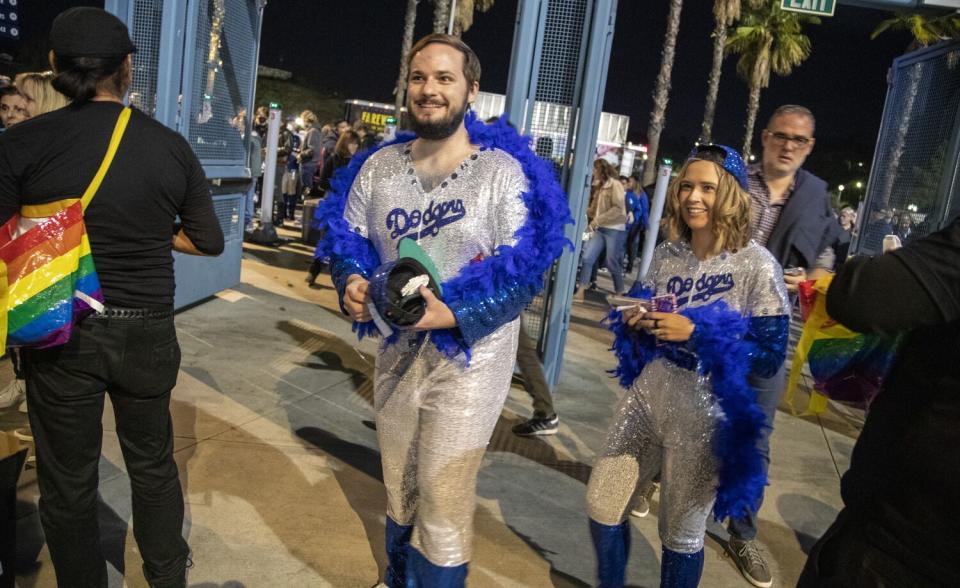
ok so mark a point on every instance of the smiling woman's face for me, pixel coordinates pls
(698, 194)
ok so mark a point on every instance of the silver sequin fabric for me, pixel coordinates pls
(435, 415)
(666, 421)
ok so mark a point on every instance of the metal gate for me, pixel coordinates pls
(913, 185)
(194, 71)
(558, 73)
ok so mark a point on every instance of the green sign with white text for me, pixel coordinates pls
(816, 7)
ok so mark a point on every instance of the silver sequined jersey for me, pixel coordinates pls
(465, 217)
(435, 415)
(750, 280)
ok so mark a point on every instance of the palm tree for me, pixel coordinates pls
(925, 31)
(465, 10)
(441, 15)
(724, 13)
(409, 22)
(768, 39)
(661, 92)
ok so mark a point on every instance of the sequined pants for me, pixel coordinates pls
(435, 417)
(664, 423)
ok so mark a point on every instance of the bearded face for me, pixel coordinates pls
(437, 92)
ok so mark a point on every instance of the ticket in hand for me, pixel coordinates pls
(622, 303)
(664, 303)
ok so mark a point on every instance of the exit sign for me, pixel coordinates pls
(816, 7)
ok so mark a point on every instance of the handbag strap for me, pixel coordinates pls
(52, 208)
(118, 131)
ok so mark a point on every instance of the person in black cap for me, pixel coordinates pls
(129, 349)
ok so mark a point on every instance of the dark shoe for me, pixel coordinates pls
(748, 558)
(311, 278)
(537, 426)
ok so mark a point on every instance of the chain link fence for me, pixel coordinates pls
(916, 163)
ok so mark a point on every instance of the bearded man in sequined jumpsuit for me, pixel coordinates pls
(490, 215)
(688, 412)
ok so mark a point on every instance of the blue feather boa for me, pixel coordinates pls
(521, 266)
(724, 354)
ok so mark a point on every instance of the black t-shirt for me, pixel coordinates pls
(155, 176)
(904, 476)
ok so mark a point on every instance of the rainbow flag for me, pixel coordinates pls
(47, 277)
(846, 366)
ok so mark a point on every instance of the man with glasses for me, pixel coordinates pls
(791, 217)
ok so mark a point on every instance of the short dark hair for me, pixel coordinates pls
(9, 91)
(77, 78)
(793, 109)
(471, 63)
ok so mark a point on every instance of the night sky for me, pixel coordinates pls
(351, 48)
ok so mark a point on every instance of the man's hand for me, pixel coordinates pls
(665, 326)
(438, 314)
(356, 297)
(793, 280)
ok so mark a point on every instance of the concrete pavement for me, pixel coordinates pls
(280, 466)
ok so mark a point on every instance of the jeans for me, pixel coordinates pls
(290, 205)
(612, 240)
(769, 392)
(136, 362)
(533, 380)
(248, 207)
(634, 239)
(307, 171)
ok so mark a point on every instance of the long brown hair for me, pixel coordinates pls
(342, 148)
(729, 216)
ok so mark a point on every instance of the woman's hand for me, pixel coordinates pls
(665, 326)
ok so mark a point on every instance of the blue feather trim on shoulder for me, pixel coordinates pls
(540, 240)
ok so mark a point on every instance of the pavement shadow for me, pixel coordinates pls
(367, 462)
(808, 517)
(287, 484)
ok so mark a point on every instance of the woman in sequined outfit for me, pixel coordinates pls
(688, 412)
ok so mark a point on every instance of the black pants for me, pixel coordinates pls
(634, 239)
(849, 555)
(136, 362)
(290, 206)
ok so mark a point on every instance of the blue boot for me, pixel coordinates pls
(612, 544)
(681, 570)
(423, 574)
(398, 545)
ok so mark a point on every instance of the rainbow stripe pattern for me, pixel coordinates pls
(845, 365)
(48, 278)
(48, 281)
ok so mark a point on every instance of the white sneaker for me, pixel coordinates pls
(15, 392)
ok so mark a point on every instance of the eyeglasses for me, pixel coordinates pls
(782, 138)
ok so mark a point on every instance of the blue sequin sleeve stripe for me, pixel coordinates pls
(342, 268)
(478, 318)
(768, 337)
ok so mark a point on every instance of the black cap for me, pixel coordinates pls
(89, 32)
